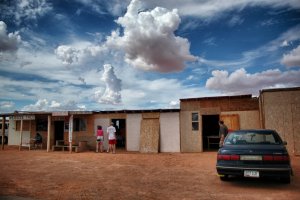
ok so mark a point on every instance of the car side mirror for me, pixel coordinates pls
(284, 143)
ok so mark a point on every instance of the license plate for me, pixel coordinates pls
(250, 157)
(251, 173)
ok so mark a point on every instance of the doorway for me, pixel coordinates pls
(210, 127)
(120, 125)
(58, 130)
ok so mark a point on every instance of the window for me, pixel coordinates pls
(41, 124)
(252, 138)
(79, 124)
(195, 121)
(5, 126)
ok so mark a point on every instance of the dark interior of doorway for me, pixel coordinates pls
(58, 130)
(210, 127)
(120, 125)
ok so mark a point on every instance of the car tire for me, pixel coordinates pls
(286, 180)
(224, 177)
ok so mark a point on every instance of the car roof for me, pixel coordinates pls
(256, 130)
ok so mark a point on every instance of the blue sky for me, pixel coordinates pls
(118, 54)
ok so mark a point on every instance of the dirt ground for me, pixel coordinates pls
(88, 175)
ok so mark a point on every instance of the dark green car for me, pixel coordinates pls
(254, 154)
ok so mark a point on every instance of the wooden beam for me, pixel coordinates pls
(3, 131)
(21, 134)
(49, 133)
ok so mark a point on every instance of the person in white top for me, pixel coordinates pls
(111, 131)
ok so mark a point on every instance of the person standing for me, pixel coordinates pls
(223, 131)
(100, 138)
(111, 131)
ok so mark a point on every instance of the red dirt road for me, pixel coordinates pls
(60, 175)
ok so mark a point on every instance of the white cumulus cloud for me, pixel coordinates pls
(45, 105)
(174, 104)
(149, 41)
(8, 42)
(241, 82)
(26, 10)
(67, 54)
(6, 106)
(112, 93)
(80, 51)
(40, 105)
(292, 59)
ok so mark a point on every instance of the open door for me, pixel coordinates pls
(58, 130)
(231, 121)
(210, 132)
(120, 125)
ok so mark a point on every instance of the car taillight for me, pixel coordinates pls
(276, 158)
(234, 157)
(228, 157)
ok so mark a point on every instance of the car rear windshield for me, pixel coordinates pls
(252, 137)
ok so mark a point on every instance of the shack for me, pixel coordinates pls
(199, 119)
(147, 131)
(192, 128)
(280, 110)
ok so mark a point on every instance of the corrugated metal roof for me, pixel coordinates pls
(16, 113)
(139, 111)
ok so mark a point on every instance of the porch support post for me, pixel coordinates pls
(21, 135)
(70, 133)
(49, 131)
(3, 132)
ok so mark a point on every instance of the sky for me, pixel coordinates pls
(96, 55)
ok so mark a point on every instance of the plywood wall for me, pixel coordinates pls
(191, 141)
(244, 108)
(247, 119)
(149, 140)
(232, 103)
(296, 127)
(280, 111)
(232, 121)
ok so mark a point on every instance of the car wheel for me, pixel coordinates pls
(286, 180)
(224, 177)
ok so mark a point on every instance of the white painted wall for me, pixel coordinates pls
(104, 122)
(14, 136)
(133, 129)
(169, 132)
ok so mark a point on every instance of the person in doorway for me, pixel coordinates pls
(37, 140)
(111, 131)
(100, 138)
(223, 131)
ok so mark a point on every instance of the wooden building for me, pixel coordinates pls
(146, 131)
(280, 110)
(192, 128)
(199, 117)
